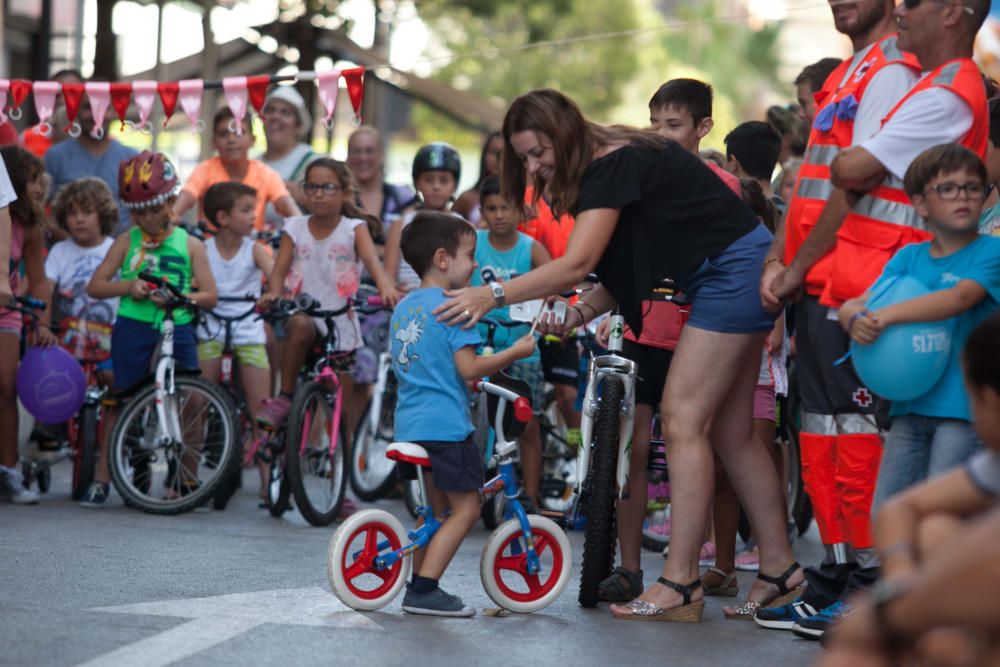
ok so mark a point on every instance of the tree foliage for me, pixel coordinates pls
(591, 72)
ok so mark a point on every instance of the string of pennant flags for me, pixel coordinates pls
(239, 91)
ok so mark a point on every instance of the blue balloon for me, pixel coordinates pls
(908, 359)
(50, 384)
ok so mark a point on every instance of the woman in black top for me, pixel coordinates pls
(645, 209)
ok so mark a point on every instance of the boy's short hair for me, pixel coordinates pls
(222, 197)
(225, 113)
(980, 358)
(816, 74)
(489, 188)
(756, 145)
(943, 159)
(86, 194)
(429, 231)
(690, 94)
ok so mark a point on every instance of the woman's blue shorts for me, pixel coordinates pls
(724, 289)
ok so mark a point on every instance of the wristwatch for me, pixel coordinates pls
(498, 294)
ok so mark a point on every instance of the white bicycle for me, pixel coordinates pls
(176, 436)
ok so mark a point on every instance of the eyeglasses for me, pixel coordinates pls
(326, 188)
(949, 191)
(913, 4)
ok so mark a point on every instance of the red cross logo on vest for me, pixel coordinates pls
(863, 69)
(863, 397)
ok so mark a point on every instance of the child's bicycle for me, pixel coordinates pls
(233, 478)
(606, 434)
(175, 438)
(307, 460)
(525, 564)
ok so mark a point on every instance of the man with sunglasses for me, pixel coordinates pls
(839, 435)
(947, 105)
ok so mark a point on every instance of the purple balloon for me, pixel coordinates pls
(50, 384)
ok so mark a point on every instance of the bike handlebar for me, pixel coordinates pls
(29, 302)
(522, 406)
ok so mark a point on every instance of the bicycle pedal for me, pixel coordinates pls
(559, 517)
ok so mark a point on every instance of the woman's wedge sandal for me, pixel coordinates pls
(621, 586)
(688, 612)
(729, 587)
(747, 610)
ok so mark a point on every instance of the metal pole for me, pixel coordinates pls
(158, 73)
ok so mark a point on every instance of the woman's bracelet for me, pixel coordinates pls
(771, 259)
(583, 320)
(855, 317)
(593, 310)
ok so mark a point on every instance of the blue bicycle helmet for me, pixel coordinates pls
(437, 156)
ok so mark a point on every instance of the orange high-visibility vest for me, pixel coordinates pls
(832, 131)
(884, 220)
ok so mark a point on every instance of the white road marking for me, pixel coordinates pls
(220, 618)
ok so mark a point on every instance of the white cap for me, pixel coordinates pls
(289, 95)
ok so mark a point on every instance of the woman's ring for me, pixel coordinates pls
(466, 312)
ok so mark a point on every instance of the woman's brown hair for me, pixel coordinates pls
(348, 208)
(557, 118)
(88, 195)
(23, 167)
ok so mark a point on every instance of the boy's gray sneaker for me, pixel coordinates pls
(96, 495)
(436, 603)
(12, 488)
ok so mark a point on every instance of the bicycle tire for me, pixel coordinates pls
(279, 491)
(492, 510)
(505, 551)
(85, 450)
(371, 482)
(133, 469)
(299, 472)
(411, 495)
(599, 537)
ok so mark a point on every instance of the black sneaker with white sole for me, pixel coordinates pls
(436, 603)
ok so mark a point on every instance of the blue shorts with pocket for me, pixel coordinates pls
(133, 344)
(724, 289)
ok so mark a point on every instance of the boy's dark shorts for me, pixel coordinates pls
(455, 466)
(133, 344)
(560, 361)
(653, 364)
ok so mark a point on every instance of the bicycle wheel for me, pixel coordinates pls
(316, 475)
(492, 511)
(159, 475)
(411, 496)
(504, 565)
(350, 560)
(279, 491)
(84, 450)
(599, 537)
(372, 474)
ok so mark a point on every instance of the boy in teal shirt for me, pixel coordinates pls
(933, 433)
(502, 252)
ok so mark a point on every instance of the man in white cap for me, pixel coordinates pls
(286, 123)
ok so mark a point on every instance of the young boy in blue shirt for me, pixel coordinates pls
(933, 433)
(432, 362)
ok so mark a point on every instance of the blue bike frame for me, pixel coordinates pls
(505, 482)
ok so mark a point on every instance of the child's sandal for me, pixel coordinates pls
(621, 586)
(729, 587)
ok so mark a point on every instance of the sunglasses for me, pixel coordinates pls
(913, 4)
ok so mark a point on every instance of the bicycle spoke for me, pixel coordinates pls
(512, 563)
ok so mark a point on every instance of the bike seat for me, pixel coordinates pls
(408, 452)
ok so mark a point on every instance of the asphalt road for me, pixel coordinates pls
(118, 587)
